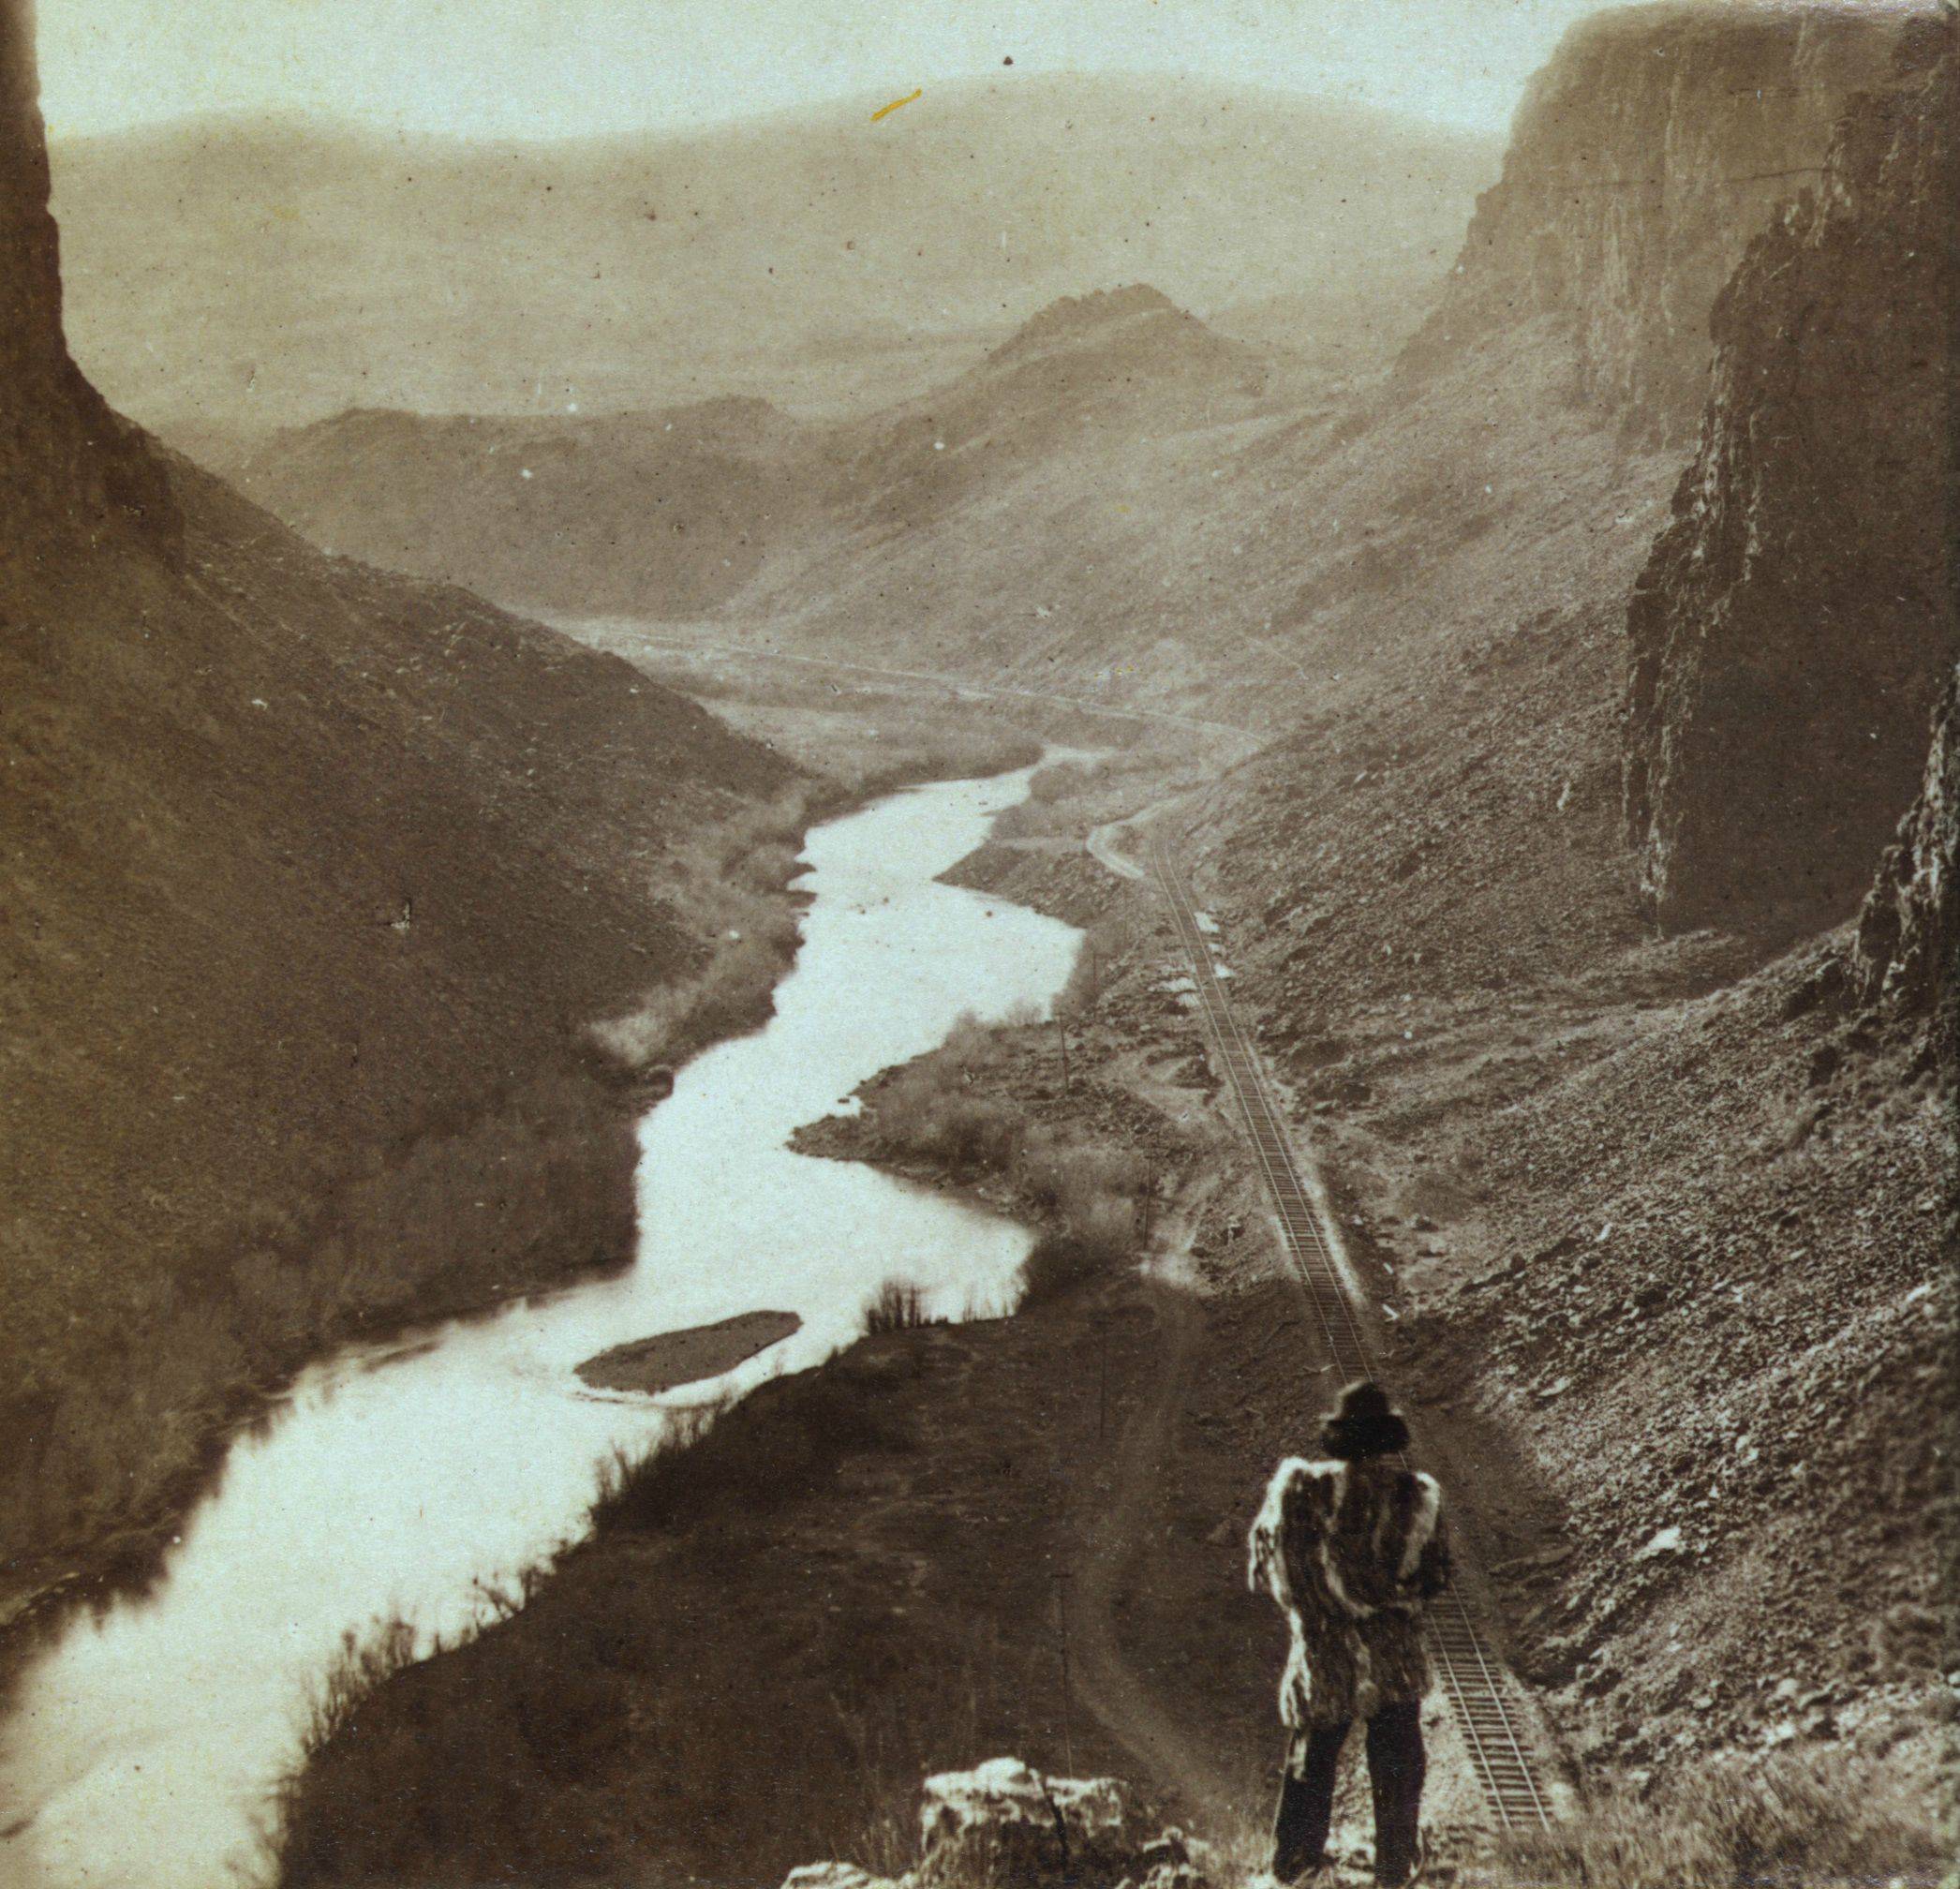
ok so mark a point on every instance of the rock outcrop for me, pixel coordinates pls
(1906, 954)
(1643, 157)
(66, 462)
(1003, 1822)
(1792, 626)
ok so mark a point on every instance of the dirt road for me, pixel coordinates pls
(1184, 1768)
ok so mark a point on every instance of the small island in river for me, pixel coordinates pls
(671, 1359)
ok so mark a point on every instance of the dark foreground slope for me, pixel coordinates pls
(316, 880)
(1678, 1213)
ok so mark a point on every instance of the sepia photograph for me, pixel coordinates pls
(1008, 947)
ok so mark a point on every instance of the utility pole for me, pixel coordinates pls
(1102, 1388)
(1068, 1748)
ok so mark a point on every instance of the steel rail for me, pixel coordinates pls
(1474, 1679)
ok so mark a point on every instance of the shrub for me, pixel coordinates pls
(928, 1114)
(782, 1441)
(770, 866)
(1097, 1238)
(1055, 1264)
(1103, 945)
(1814, 1819)
(1068, 1181)
(360, 1666)
(731, 994)
(898, 1305)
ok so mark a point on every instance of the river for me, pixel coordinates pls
(407, 1479)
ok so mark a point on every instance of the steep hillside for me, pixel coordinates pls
(1230, 555)
(1798, 615)
(315, 881)
(231, 277)
(677, 512)
(1646, 154)
(1678, 1215)
(664, 513)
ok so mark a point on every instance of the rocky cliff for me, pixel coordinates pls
(1643, 157)
(1908, 929)
(1792, 626)
(66, 462)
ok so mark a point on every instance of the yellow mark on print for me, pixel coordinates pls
(886, 111)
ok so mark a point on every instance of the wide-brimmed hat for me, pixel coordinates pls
(1365, 1424)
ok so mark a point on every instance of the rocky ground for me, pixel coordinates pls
(1679, 1224)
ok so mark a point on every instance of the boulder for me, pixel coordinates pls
(836, 1876)
(1002, 1821)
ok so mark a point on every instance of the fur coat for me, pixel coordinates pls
(1350, 1552)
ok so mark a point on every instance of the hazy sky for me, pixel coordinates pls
(559, 68)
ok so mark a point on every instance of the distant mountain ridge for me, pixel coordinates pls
(673, 512)
(244, 276)
(584, 514)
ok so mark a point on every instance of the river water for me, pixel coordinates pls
(404, 1478)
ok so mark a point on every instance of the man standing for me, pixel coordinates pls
(1352, 1549)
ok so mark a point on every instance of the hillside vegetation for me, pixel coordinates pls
(317, 880)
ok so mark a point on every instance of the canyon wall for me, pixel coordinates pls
(66, 462)
(1908, 929)
(1792, 625)
(1644, 157)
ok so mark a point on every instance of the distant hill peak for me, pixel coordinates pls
(1078, 318)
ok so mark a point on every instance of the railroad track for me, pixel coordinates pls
(1475, 1681)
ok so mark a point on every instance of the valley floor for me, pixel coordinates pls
(1017, 1535)
(1025, 1535)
